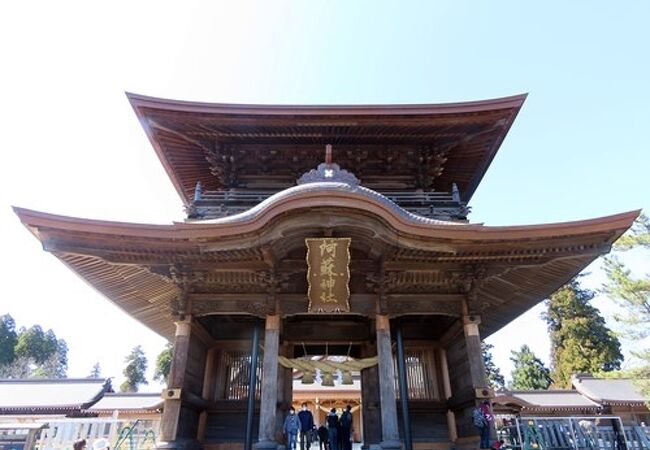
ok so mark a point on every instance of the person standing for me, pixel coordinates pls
(306, 427)
(489, 419)
(291, 428)
(332, 429)
(481, 424)
(323, 438)
(346, 428)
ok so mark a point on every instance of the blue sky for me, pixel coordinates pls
(70, 143)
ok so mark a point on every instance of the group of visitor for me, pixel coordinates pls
(334, 434)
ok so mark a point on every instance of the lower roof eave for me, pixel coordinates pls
(92, 239)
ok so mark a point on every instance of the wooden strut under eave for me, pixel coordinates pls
(328, 154)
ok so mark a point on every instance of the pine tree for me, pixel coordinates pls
(8, 340)
(630, 293)
(36, 344)
(529, 371)
(56, 365)
(96, 371)
(492, 372)
(38, 354)
(164, 363)
(580, 340)
(136, 366)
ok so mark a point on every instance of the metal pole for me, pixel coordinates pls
(403, 389)
(252, 382)
(521, 442)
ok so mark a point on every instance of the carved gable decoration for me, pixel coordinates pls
(328, 274)
(327, 172)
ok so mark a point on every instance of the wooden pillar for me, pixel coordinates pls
(473, 344)
(318, 419)
(389, 427)
(269, 396)
(403, 388)
(476, 363)
(252, 383)
(370, 402)
(285, 388)
(169, 424)
(446, 385)
(208, 389)
(467, 378)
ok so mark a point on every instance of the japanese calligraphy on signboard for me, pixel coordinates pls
(328, 274)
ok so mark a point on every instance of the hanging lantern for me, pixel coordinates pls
(308, 377)
(347, 377)
(328, 379)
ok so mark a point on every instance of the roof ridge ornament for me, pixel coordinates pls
(328, 172)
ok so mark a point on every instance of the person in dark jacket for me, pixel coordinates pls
(332, 429)
(346, 428)
(306, 426)
(323, 438)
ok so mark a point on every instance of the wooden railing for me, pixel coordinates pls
(214, 204)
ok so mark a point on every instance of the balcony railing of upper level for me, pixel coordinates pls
(435, 205)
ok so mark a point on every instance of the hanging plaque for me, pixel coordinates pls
(328, 274)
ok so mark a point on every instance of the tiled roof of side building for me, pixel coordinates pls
(51, 395)
(608, 390)
(546, 399)
(128, 402)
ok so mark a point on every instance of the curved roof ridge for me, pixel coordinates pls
(621, 221)
(516, 101)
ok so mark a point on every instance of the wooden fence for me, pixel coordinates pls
(574, 433)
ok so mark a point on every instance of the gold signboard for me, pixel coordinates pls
(328, 274)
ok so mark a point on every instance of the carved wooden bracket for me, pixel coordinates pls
(223, 161)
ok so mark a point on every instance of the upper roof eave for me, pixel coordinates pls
(139, 101)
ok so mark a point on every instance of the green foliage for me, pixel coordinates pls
(164, 363)
(56, 365)
(19, 368)
(492, 372)
(36, 344)
(632, 295)
(35, 353)
(96, 371)
(580, 340)
(638, 236)
(136, 366)
(8, 339)
(529, 371)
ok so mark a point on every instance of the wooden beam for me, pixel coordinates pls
(452, 333)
